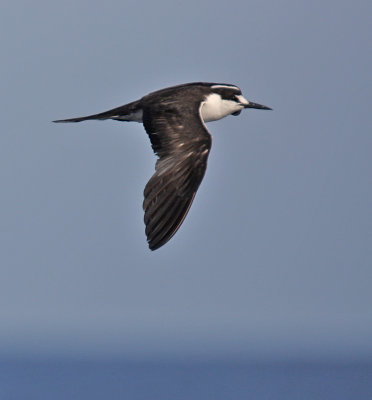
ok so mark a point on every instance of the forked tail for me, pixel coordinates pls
(128, 112)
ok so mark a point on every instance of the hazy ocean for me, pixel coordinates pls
(57, 379)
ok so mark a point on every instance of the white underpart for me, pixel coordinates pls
(214, 107)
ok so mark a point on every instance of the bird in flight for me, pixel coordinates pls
(174, 118)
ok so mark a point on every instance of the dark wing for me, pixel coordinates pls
(182, 142)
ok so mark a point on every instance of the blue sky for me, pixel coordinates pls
(275, 255)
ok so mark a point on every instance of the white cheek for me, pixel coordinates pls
(215, 108)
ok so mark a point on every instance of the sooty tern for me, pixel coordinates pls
(174, 118)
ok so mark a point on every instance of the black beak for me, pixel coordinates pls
(256, 105)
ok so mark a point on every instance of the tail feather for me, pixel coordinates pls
(76, 119)
(122, 113)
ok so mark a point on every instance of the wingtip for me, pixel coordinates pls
(155, 244)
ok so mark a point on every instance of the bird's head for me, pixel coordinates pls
(223, 100)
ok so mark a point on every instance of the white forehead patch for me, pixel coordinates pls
(242, 100)
(224, 87)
